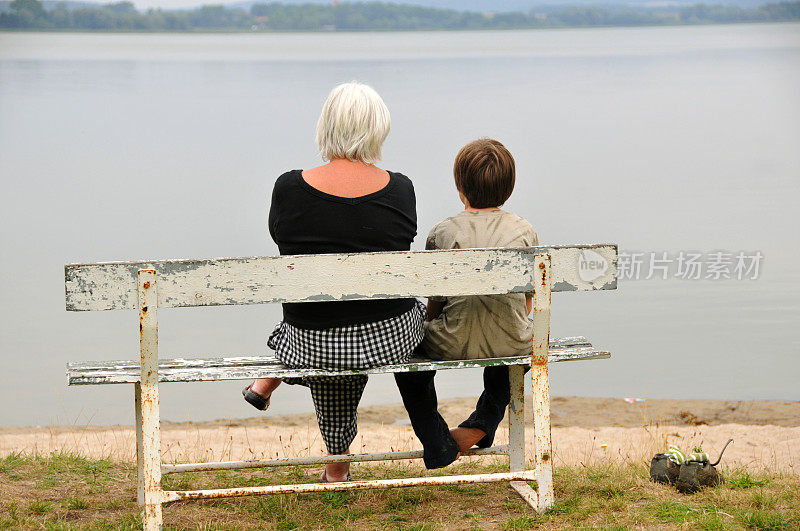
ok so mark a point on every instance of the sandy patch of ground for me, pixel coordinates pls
(766, 433)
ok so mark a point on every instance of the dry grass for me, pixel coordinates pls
(65, 491)
(756, 448)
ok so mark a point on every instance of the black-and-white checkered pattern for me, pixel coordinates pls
(336, 404)
(358, 346)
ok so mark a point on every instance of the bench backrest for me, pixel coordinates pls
(339, 277)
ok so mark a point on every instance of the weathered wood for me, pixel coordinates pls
(313, 278)
(178, 495)
(318, 460)
(540, 383)
(137, 409)
(150, 463)
(559, 344)
(516, 418)
(526, 492)
(250, 367)
(339, 277)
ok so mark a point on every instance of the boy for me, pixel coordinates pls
(481, 326)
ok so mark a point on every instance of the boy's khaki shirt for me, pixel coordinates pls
(480, 326)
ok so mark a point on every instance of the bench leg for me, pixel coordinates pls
(516, 419)
(541, 426)
(516, 433)
(148, 403)
(137, 400)
(543, 460)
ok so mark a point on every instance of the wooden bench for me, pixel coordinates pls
(147, 286)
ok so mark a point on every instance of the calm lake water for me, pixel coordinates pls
(122, 147)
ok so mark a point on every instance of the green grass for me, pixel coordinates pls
(64, 492)
(769, 520)
(40, 507)
(76, 502)
(743, 480)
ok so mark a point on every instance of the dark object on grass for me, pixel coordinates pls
(666, 470)
(663, 469)
(708, 476)
(688, 482)
(695, 475)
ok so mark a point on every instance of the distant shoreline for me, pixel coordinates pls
(369, 16)
(234, 31)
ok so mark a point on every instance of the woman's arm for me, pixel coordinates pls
(274, 210)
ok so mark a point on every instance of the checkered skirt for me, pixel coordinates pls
(358, 346)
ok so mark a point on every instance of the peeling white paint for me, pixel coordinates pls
(251, 367)
(317, 460)
(540, 383)
(173, 495)
(329, 277)
(132, 285)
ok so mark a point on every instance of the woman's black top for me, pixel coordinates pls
(304, 220)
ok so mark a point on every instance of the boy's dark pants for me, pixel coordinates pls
(419, 398)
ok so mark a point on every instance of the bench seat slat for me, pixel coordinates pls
(247, 367)
(249, 361)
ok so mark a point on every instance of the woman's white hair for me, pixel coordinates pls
(353, 124)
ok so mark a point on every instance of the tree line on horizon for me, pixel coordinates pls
(374, 16)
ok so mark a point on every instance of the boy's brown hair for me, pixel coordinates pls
(484, 172)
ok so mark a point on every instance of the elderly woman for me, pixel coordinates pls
(347, 205)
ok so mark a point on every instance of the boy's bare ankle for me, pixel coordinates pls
(467, 437)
